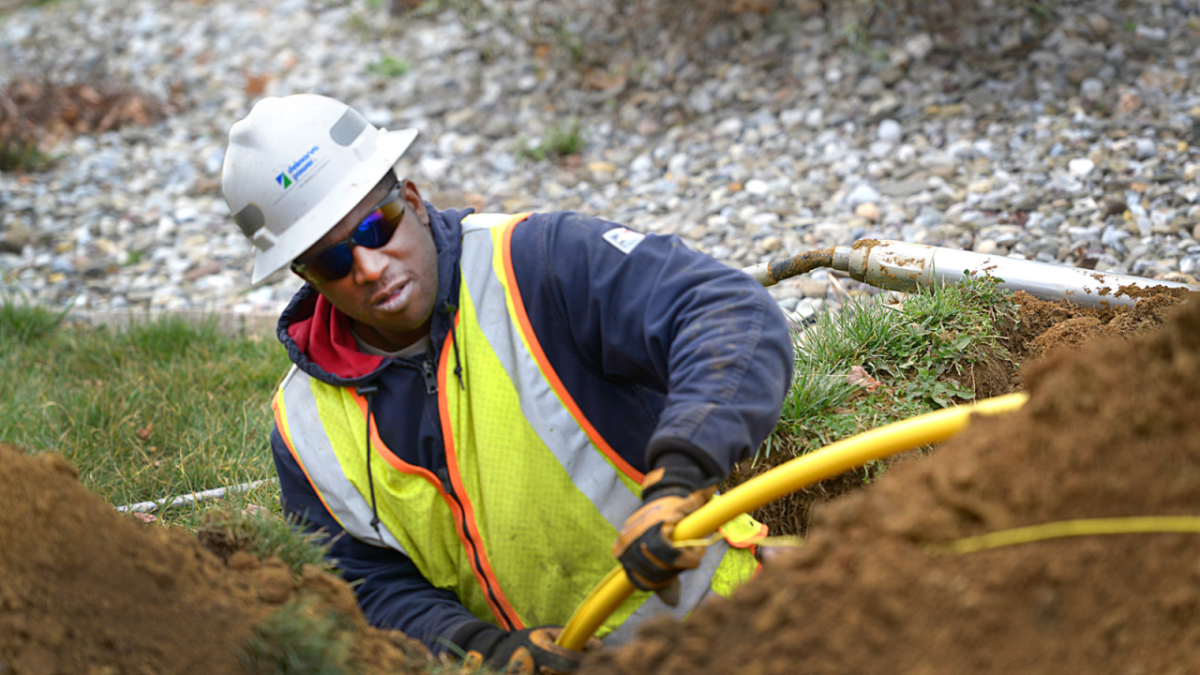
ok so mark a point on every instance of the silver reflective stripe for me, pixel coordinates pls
(551, 421)
(320, 462)
(483, 221)
(695, 588)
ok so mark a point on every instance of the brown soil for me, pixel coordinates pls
(1042, 328)
(84, 589)
(1045, 326)
(1111, 430)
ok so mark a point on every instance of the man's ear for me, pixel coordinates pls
(413, 198)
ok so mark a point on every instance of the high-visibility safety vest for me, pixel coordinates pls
(521, 523)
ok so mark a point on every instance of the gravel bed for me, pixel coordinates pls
(769, 136)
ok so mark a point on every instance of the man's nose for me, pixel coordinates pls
(369, 264)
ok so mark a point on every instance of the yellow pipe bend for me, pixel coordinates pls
(786, 478)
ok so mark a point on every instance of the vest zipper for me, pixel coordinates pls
(443, 474)
(431, 386)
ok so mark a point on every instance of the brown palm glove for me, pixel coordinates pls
(524, 652)
(644, 545)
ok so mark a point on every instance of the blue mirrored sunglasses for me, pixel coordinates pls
(373, 231)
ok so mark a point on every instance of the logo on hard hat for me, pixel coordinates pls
(297, 169)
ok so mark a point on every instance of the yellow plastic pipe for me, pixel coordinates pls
(786, 478)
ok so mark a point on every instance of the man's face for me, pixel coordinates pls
(390, 291)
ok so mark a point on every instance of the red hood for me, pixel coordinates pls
(325, 338)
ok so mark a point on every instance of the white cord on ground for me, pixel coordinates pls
(215, 493)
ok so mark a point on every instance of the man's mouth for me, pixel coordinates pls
(392, 299)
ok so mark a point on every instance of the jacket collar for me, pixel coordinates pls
(317, 335)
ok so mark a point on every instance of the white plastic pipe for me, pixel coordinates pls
(215, 493)
(900, 266)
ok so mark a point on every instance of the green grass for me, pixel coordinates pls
(23, 322)
(18, 155)
(301, 638)
(389, 66)
(162, 409)
(560, 140)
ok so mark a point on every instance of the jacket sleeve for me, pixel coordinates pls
(392, 593)
(653, 311)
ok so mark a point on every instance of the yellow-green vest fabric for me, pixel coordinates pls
(521, 525)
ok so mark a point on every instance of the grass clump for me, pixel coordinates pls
(389, 66)
(263, 535)
(23, 155)
(23, 322)
(163, 409)
(919, 353)
(878, 362)
(561, 139)
(300, 638)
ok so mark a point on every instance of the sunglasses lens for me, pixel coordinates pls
(333, 263)
(374, 231)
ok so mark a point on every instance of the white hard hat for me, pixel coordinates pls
(295, 166)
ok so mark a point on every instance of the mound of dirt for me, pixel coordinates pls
(1111, 431)
(84, 589)
(1046, 326)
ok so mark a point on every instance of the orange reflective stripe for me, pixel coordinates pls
(539, 355)
(390, 457)
(281, 425)
(502, 609)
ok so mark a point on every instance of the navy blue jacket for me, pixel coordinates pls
(667, 352)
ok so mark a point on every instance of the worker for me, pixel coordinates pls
(484, 409)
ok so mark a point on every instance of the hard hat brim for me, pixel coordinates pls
(389, 146)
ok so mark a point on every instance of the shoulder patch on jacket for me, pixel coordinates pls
(624, 239)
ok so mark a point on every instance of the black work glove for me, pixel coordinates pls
(525, 652)
(644, 546)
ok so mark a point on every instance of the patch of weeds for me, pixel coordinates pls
(919, 354)
(360, 27)
(569, 43)
(560, 140)
(263, 535)
(1043, 10)
(23, 321)
(857, 36)
(874, 363)
(389, 66)
(16, 155)
(469, 12)
(135, 256)
(300, 638)
(946, 332)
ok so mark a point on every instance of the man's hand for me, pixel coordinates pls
(526, 652)
(644, 546)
